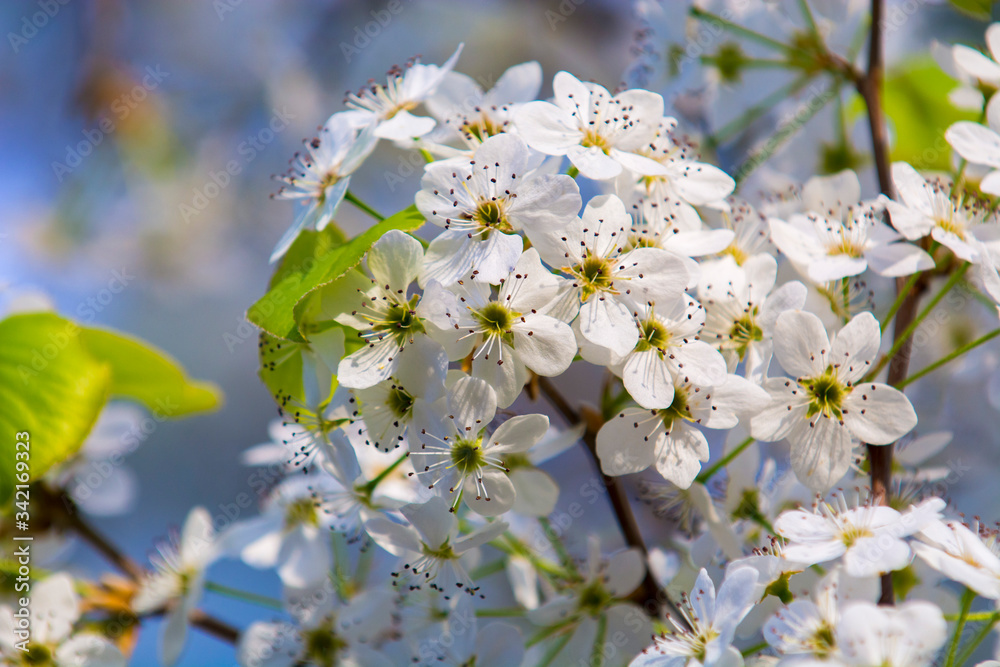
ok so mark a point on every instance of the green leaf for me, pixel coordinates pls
(977, 9)
(317, 262)
(281, 370)
(149, 376)
(50, 387)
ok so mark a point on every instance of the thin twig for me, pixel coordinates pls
(213, 626)
(67, 515)
(653, 599)
(870, 88)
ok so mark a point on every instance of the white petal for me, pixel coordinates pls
(700, 242)
(498, 498)
(915, 192)
(55, 607)
(734, 600)
(828, 268)
(480, 536)
(397, 539)
(878, 414)
(404, 126)
(790, 296)
(89, 650)
(823, 194)
(370, 365)
(872, 556)
(305, 558)
(537, 492)
(518, 434)
(605, 321)
(703, 597)
(909, 222)
(703, 184)
(545, 345)
(432, 519)
(395, 260)
(506, 378)
(648, 380)
(800, 343)
(626, 570)
(621, 445)
(518, 84)
(174, 635)
(547, 128)
(499, 644)
(680, 453)
(975, 143)
(796, 241)
(786, 410)
(472, 402)
(898, 259)
(975, 64)
(855, 346)
(593, 162)
(821, 452)
(269, 645)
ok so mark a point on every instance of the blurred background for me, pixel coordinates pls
(118, 120)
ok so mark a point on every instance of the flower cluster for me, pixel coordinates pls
(744, 361)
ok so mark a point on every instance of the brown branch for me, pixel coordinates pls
(870, 87)
(203, 621)
(67, 515)
(213, 626)
(653, 600)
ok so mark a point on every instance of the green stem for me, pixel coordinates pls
(754, 112)
(365, 559)
(369, 488)
(427, 155)
(545, 633)
(340, 560)
(772, 145)
(750, 63)
(753, 649)
(900, 298)
(847, 299)
(721, 463)
(977, 639)
(553, 537)
(572, 171)
(967, 597)
(510, 545)
(808, 16)
(974, 617)
(237, 594)
(508, 612)
(351, 197)
(742, 31)
(554, 650)
(942, 361)
(597, 653)
(487, 569)
(953, 279)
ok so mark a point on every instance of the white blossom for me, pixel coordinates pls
(430, 545)
(868, 537)
(711, 622)
(482, 203)
(826, 405)
(600, 133)
(605, 278)
(178, 579)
